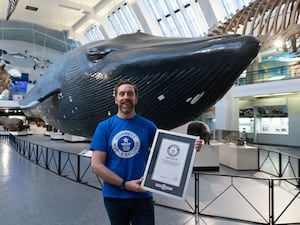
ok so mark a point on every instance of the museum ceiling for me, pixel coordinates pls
(54, 25)
(46, 25)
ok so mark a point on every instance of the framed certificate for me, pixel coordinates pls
(170, 164)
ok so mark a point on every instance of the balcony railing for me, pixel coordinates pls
(270, 74)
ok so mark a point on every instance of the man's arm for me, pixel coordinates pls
(99, 168)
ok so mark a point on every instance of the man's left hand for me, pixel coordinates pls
(198, 144)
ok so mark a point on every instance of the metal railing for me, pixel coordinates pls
(270, 200)
(69, 165)
(279, 164)
(286, 72)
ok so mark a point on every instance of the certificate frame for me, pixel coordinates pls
(170, 164)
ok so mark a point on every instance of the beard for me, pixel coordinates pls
(126, 107)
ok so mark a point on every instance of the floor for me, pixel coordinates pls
(32, 195)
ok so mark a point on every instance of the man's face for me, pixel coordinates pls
(126, 99)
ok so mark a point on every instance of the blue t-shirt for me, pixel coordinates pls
(127, 143)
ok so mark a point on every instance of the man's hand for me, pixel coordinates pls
(135, 185)
(198, 144)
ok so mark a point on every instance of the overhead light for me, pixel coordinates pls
(32, 8)
(259, 96)
(278, 43)
(276, 78)
(268, 95)
(69, 7)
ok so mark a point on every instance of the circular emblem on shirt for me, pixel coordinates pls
(126, 144)
(173, 150)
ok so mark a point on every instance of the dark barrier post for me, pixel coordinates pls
(47, 163)
(22, 150)
(59, 163)
(78, 168)
(298, 181)
(271, 201)
(29, 151)
(197, 197)
(37, 154)
(280, 165)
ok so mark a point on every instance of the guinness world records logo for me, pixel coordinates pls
(126, 144)
(173, 150)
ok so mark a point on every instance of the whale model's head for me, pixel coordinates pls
(178, 79)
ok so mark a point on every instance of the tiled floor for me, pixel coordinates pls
(32, 195)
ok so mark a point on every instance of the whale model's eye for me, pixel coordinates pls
(95, 54)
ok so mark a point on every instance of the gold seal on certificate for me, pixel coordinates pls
(170, 164)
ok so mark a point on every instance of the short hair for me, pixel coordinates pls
(121, 82)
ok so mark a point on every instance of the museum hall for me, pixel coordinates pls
(225, 72)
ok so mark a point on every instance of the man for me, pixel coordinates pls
(120, 148)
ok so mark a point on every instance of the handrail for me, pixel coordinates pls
(69, 165)
(286, 72)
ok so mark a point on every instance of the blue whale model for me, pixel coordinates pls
(178, 79)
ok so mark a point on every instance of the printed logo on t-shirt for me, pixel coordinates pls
(126, 144)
